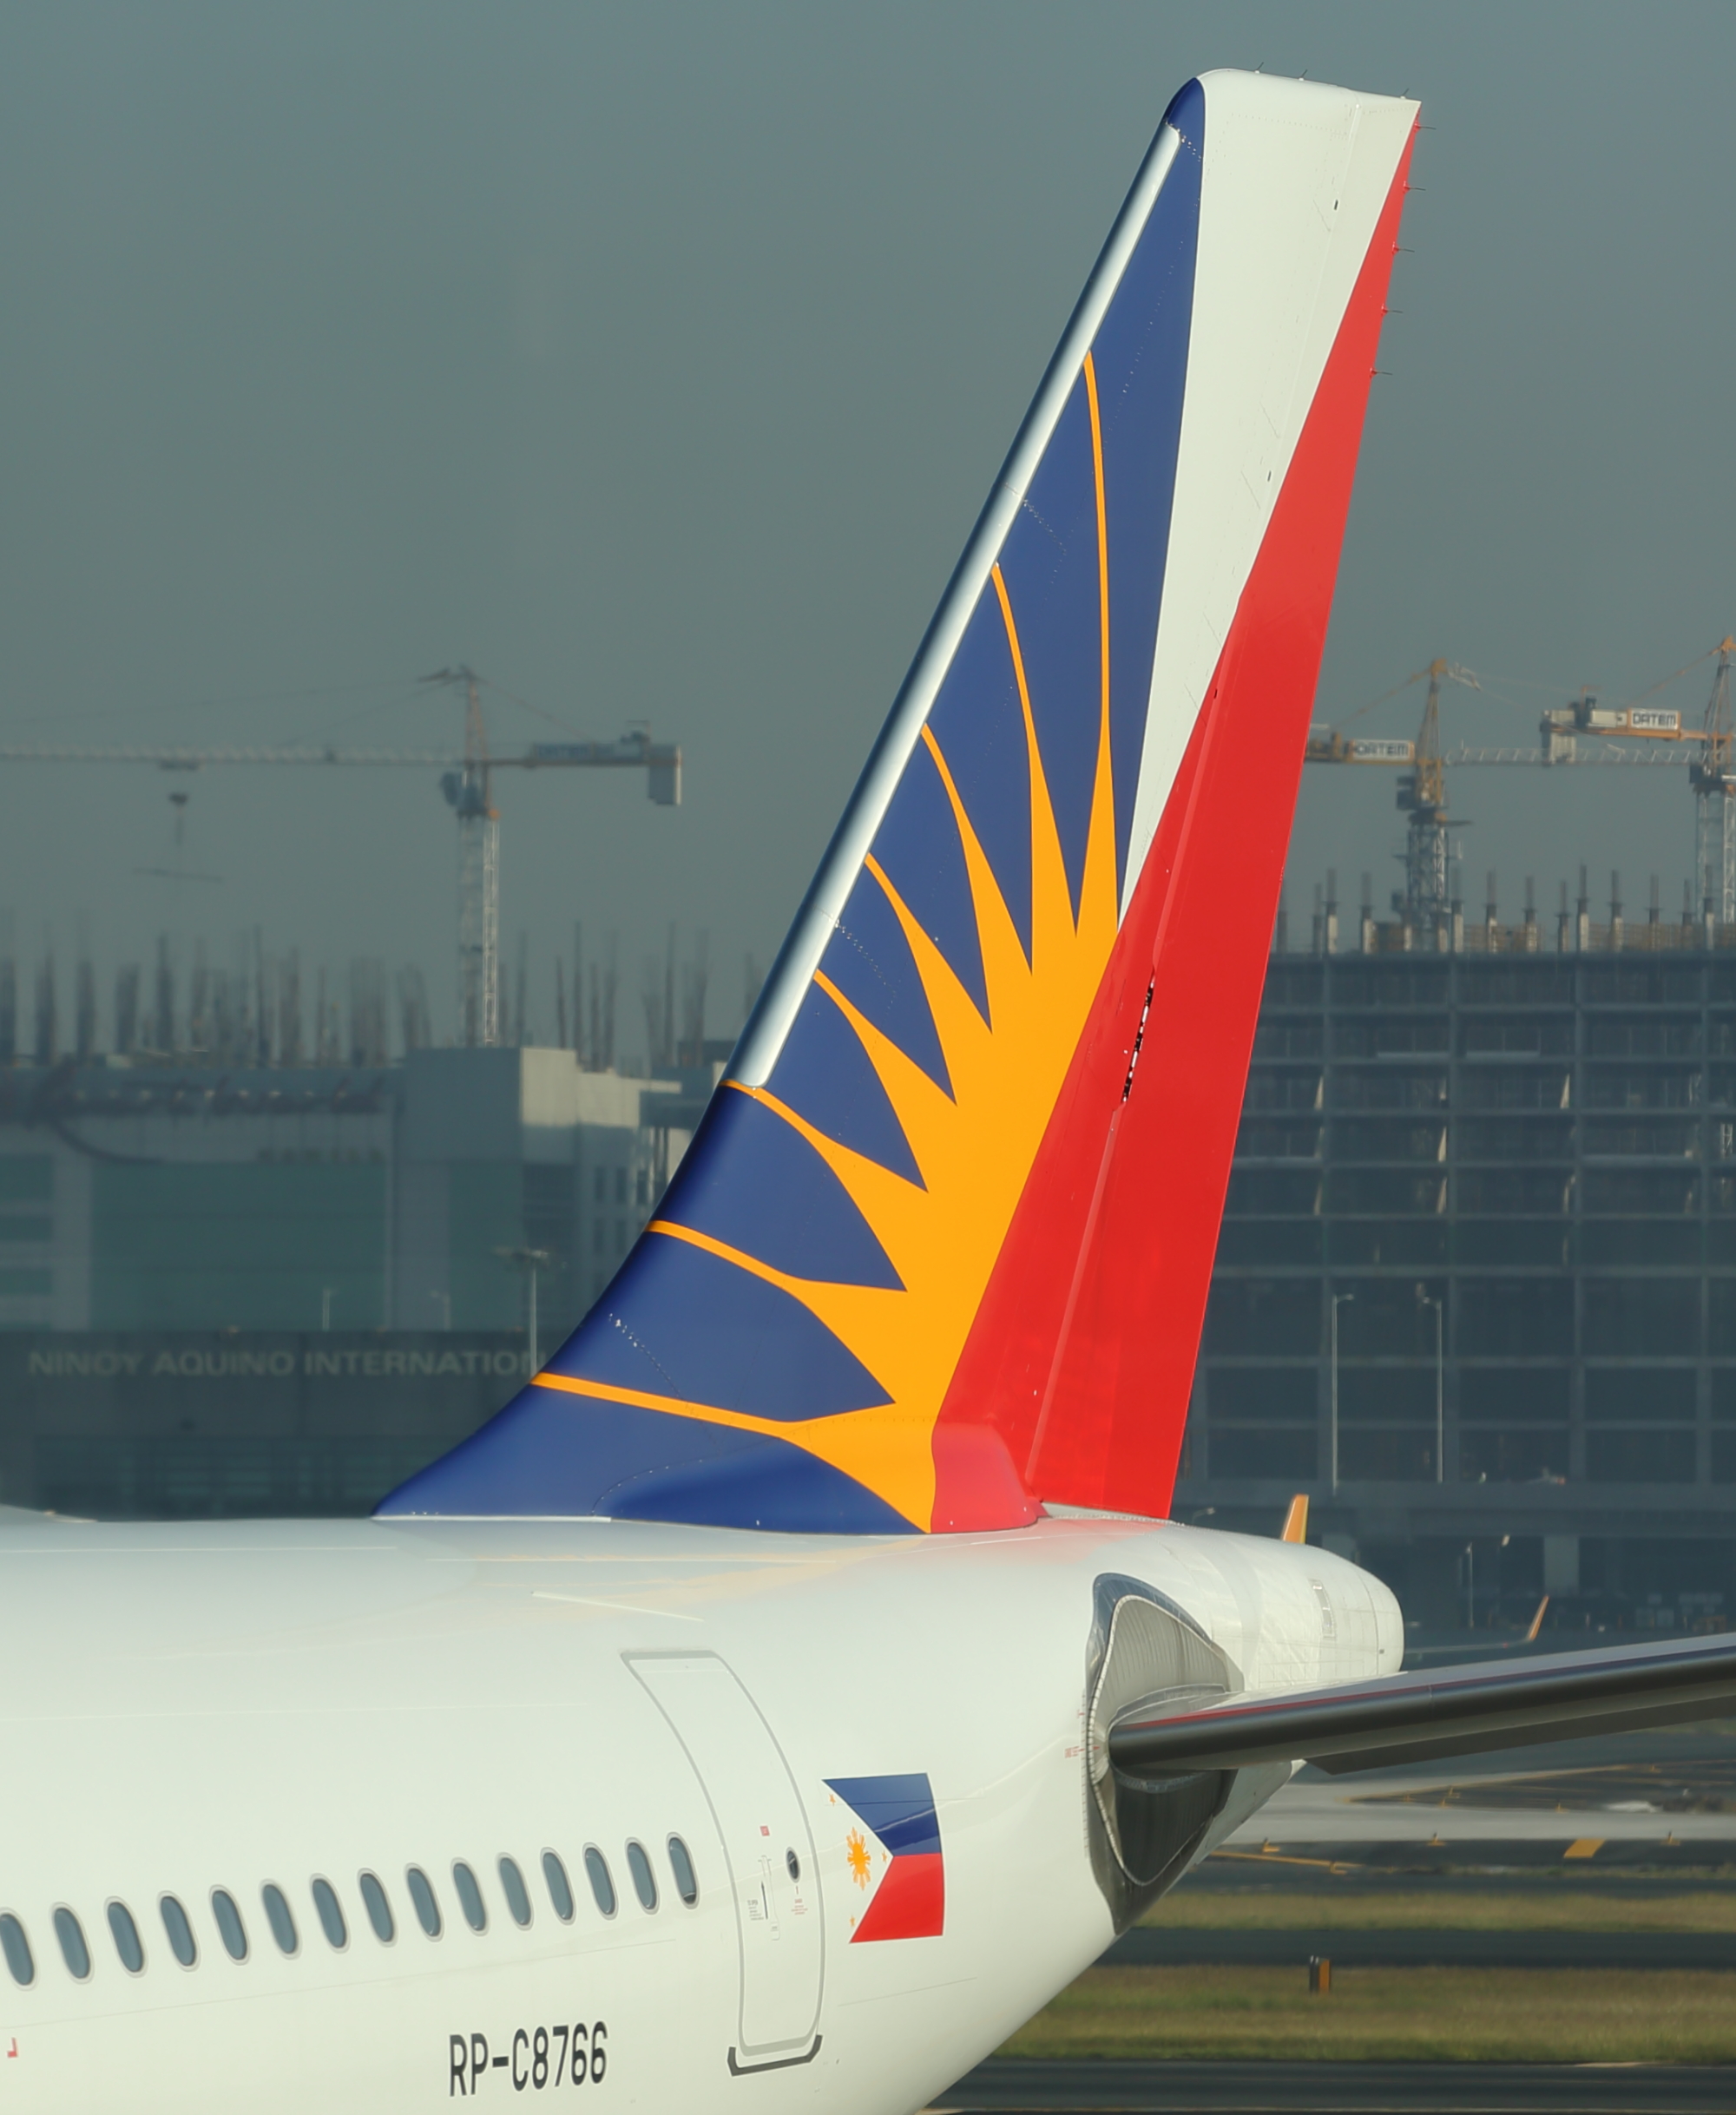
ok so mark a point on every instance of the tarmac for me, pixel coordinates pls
(1668, 1798)
(1004, 2086)
(1374, 1810)
(1152, 1946)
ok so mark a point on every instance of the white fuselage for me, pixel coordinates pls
(190, 1709)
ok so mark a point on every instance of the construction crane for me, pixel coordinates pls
(469, 794)
(465, 781)
(1422, 790)
(1562, 735)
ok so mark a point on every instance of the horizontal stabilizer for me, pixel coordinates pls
(1416, 1717)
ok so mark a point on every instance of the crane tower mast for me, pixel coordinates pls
(1714, 831)
(471, 797)
(1423, 795)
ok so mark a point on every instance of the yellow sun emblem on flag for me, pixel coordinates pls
(856, 1849)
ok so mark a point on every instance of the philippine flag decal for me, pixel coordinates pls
(893, 1854)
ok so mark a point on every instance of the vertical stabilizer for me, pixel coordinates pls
(940, 1248)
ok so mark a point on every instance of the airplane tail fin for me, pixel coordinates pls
(939, 1251)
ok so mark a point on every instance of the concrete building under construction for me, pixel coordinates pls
(1476, 1287)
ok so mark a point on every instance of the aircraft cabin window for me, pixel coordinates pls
(596, 1867)
(681, 1865)
(278, 1916)
(555, 1874)
(469, 1896)
(180, 1931)
(16, 1948)
(74, 1951)
(230, 1927)
(331, 1913)
(126, 1937)
(378, 1909)
(512, 1886)
(422, 1897)
(644, 1879)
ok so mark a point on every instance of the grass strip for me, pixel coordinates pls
(1437, 2015)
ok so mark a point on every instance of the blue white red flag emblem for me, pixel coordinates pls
(893, 1849)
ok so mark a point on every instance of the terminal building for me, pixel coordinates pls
(283, 1288)
(396, 1196)
(1475, 1284)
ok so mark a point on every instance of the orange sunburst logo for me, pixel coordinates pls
(975, 1147)
(856, 1849)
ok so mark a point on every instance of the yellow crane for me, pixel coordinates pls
(1422, 790)
(1584, 730)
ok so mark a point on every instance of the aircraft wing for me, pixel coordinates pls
(1417, 1717)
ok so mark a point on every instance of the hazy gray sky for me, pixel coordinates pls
(655, 360)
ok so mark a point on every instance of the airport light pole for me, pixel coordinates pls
(1338, 1300)
(1422, 1300)
(531, 1262)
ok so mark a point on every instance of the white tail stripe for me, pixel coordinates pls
(1295, 176)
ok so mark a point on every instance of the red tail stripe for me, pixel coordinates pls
(1135, 1267)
